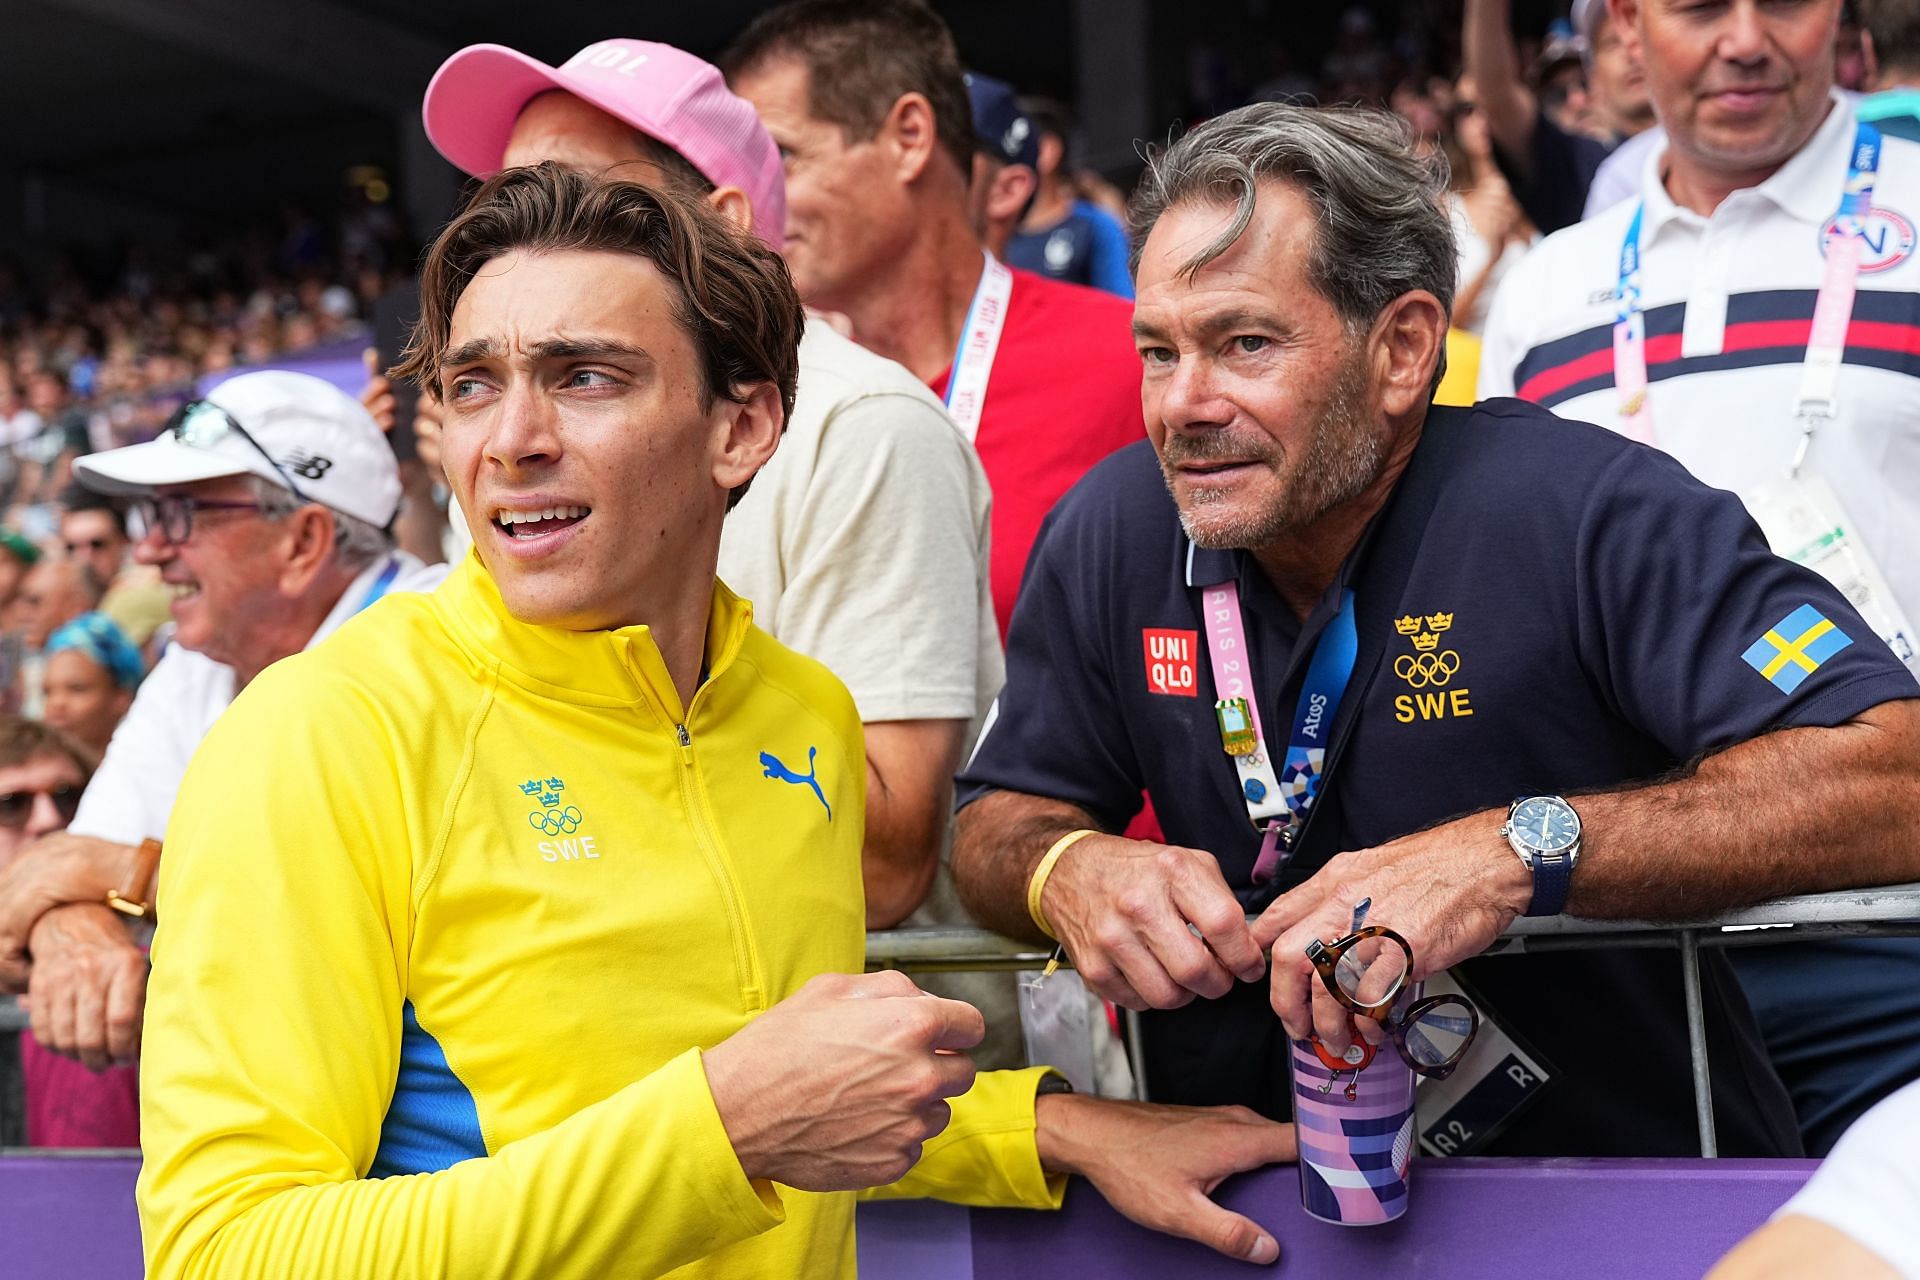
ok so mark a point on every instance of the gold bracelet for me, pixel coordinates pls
(1045, 869)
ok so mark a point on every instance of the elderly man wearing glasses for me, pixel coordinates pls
(267, 510)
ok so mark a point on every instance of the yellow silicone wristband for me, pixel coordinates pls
(1045, 869)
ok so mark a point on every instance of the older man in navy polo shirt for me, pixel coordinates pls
(1319, 620)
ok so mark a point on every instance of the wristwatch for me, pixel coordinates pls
(1545, 832)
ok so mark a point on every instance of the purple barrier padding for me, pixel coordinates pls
(340, 363)
(73, 1218)
(923, 1239)
(1488, 1219)
(70, 1217)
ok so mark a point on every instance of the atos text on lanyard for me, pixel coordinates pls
(1277, 805)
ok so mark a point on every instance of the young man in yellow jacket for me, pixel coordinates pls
(510, 932)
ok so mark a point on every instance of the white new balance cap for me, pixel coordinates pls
(311, 438)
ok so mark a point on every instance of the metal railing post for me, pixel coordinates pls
(1697, 1041)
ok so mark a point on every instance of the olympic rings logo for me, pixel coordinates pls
(1423, 669)
(555, 822)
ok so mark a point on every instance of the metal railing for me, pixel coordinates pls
(1890, 911)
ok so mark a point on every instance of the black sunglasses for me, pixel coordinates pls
(17, 806)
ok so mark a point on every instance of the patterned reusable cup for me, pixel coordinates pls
(1354, 1151)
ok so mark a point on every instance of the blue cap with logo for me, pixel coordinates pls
(1002, 128)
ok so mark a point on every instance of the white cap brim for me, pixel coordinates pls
(140, 469)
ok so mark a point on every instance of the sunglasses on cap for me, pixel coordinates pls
(203, 424)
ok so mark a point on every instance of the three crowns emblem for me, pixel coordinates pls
(1425, 632)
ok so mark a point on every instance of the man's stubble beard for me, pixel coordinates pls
(1339, 459)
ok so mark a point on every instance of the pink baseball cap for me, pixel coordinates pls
(664, 92)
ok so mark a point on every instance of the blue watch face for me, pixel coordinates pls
(1545, 823)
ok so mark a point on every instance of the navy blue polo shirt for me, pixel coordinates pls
(1542, 606)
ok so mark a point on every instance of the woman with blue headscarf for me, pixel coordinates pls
(91, 672)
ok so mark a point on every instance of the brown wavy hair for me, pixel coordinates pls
(734, 296)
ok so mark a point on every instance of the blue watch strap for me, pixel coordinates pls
(1552, 879)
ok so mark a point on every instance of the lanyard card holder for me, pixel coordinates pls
(1497, 1079)
(1805, 523)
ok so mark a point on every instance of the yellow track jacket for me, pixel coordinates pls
(452, 905)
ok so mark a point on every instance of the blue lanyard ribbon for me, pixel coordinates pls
(1303, 773)
(380, 584)
(1329, 672)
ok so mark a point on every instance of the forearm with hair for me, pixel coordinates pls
(1488, 55)
(998, 840)
(1798, 811)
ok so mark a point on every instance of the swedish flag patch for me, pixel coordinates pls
(1794, 647)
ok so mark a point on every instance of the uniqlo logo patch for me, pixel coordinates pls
(1170, 656)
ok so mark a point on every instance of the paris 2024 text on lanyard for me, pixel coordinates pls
(1801, 517)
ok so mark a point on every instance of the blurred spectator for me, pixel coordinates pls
(93, 533)
(46, 460)
(1357, 67)
(121, 349)
(1005, 158)
(1892, 44)
(17, 556)
(18, 424)
(1550, 167)
(1852, 67)
(92, 671)
(55, 591)
(93, 530)
(42, 775)
(1488, 224)
(1048, 382)
(868, 104)
(1559, 77)
(265, 506)
(1064, 236)
(1730, 241)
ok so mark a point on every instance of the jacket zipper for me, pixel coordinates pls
(698, 813)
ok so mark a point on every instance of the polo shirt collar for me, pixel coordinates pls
(620, 667)
(1210, 568)
(354, 598)
(1806, 187)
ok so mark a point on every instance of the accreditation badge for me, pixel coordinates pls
(1804, 523)
(1497, 1079)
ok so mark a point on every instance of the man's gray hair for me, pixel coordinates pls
(1383, 229)
(356, 544)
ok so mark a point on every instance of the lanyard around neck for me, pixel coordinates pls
(979, 340)
(380, 584)
(1277, 805)
(1832, 308)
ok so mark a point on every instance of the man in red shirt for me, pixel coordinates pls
(871, 114)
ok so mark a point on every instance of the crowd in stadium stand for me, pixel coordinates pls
(134, 597)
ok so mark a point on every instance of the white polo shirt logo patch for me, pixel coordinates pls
(1889, 237)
